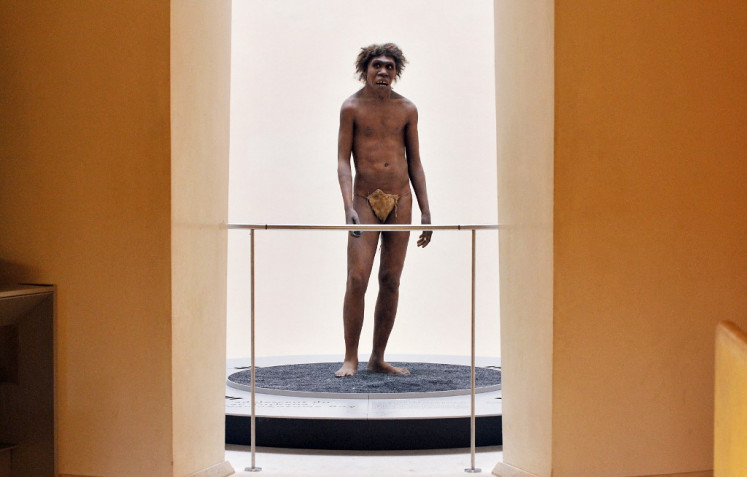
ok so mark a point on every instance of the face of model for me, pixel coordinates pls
(381, 73)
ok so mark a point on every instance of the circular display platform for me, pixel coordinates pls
(318, 380)
(299, 403)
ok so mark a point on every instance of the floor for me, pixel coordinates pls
(294, 462)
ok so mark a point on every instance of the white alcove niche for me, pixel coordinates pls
(292, 67)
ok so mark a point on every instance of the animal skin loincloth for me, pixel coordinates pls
(382, 203)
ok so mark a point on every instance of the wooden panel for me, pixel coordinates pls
(730, 430)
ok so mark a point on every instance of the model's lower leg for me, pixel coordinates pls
(393, 251)
(352, 317)
(361, 252)
(384, 315)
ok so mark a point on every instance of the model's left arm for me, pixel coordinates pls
(417, 175)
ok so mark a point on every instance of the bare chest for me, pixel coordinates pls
(380, 123)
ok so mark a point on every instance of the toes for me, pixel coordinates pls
(345, 371)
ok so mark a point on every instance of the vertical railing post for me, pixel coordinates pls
(472, 468)
(253, 421)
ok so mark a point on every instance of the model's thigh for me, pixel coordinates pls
(394, 244)
(361, 250)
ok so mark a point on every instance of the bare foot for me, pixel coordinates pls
(348, 368)
(386, 368)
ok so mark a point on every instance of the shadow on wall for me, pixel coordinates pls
(13, 273)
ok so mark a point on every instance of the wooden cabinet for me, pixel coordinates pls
(27, 423)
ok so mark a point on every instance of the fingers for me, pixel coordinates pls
(425, 238)
(355, 220)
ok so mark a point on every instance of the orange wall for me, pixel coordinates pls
(94, 200)
(85, 204)
(650, 228)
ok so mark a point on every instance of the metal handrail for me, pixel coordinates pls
(377, 228)
(370, 227)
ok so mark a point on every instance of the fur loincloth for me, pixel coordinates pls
(382, 203)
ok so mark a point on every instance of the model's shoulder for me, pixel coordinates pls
(348, 105)
(349, 109)
(404, 102)
(353, 101)
(407, 107)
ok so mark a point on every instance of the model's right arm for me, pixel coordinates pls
(344, 171)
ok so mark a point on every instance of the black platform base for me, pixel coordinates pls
(380, 434)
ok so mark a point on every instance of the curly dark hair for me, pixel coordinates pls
(372, 51)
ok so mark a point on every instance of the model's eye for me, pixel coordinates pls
(389, 67)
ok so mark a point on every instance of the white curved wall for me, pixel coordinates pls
(293, 65)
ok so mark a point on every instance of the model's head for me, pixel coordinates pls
(373, 51)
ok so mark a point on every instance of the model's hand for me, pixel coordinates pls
(425, 237)
(351, 217)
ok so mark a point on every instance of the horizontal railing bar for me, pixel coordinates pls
(369, 227)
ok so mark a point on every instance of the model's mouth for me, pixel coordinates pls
(382, 83)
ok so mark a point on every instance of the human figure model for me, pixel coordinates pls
(380, 129)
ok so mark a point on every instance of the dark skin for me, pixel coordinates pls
(379, 128)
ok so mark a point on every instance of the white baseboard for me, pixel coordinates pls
(505, 470)
(702, 473)
(224, 469)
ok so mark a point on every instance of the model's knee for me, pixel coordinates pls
(357, 282)
(389, 281)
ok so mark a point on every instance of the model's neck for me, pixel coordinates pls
(378, 93)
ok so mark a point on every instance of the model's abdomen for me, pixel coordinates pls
(381, 165)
